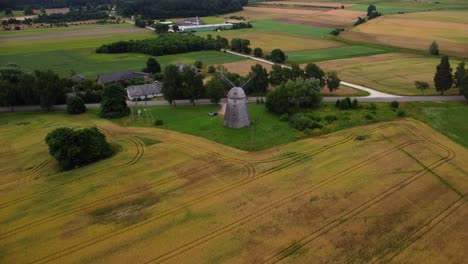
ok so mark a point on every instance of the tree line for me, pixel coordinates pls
(71, 16)
(166, 44)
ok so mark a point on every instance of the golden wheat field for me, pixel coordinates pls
(398, 194)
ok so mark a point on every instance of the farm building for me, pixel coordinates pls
(181, 66)
(121, 76)
(210, 27)
(144, 91)
(191, 21)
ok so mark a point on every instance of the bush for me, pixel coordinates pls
(330, 118)
(277, 56)
(369, 117)
(395, 104)
(75, 148)
(372, 106)
(300, 122)
(158, 122)
(362, 137)
(75, 105)
(211, 69)
(198, 64)
(346, 104)
(355, 104)
(401, 113)
(284, 117)
(258, 52)
(434, 48)
(336, 31)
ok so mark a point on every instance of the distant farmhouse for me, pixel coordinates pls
(196, 24)
(121, 77)
(52, 11)
(181, 66)
(144, 91)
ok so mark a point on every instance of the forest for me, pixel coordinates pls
(159, 9)
(166, 44)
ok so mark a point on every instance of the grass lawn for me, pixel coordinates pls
(16, 13)
(90, 64)
(306, 56)
(393, 73)
(449, 119)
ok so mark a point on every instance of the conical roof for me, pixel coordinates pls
(236, 93)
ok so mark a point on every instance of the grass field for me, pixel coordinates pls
(396, 194)
(393, 73)
(417, 31)
(306, 56)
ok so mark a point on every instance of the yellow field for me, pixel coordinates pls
(399, 195)
(393, 73)
(417, 31)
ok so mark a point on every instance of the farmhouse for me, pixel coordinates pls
(181, 66)
(121, 76)
(191, 21)
(144, 91)
(210, 27)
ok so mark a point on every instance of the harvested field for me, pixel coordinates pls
(298, 3)
(331, 18)
(388, 196)
(243, 67)
(417, 32)
(392, 73)
(343, 91)
(282, 10)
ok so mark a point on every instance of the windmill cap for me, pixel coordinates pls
(236, 93)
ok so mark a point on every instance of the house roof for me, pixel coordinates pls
(120, 76)
(78, 78)
(137, 91)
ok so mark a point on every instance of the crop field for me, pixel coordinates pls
(417, 31)
(393, 73)
(391, 191)
(306, 56)
(307, 3)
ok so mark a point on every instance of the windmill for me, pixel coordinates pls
(236, 115)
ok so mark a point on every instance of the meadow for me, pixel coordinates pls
(353, 195)
(417, 31)
(393, 73)
(306, 56)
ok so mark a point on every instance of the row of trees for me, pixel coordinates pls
(444, 79)
(166, 44)
(20, 4)
(71, 16)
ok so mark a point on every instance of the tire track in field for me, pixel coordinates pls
(284, 253)
(90, 242)
(423, 230)
(35, 169)
(267, 209)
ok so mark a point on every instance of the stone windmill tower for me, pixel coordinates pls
(236, 115)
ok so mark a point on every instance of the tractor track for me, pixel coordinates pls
(74, 248)
(424, 229)
(267, 209)
(280, 255)
(35, 169)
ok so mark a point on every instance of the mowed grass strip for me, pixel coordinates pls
(393, 73)
(89, 64)
(306, 56)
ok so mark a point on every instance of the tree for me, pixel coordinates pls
(296, 72)
(75, 105)
(8, 94)
(277, 56)
(114, 104)
(192, 84)
(160, 28)
(8, 12)
(215, 89)
(28, 11)
(276, 75)
(258, 52)
(172, 84)
(422, 86)
(259, 82)
(333, 82)
(198, 64)
(314, 71)
(293, 95)
(48, 87)
(434, 48)
(75, 148)
(153, 66)
(459, 76)
(370, 9)
(443, 78)
(464, 86)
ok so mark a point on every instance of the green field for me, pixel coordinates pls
(306, 56)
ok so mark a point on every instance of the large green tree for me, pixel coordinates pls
(192, 84)
(277, 56)
(443, 78)
(215, 89)
(153, 66)
(114, 103)
(294, 95)
(259, 82)
(314, 71)
(172, 84)
(49, 88)
(333, 81)
(296, 71)
(459, 75)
